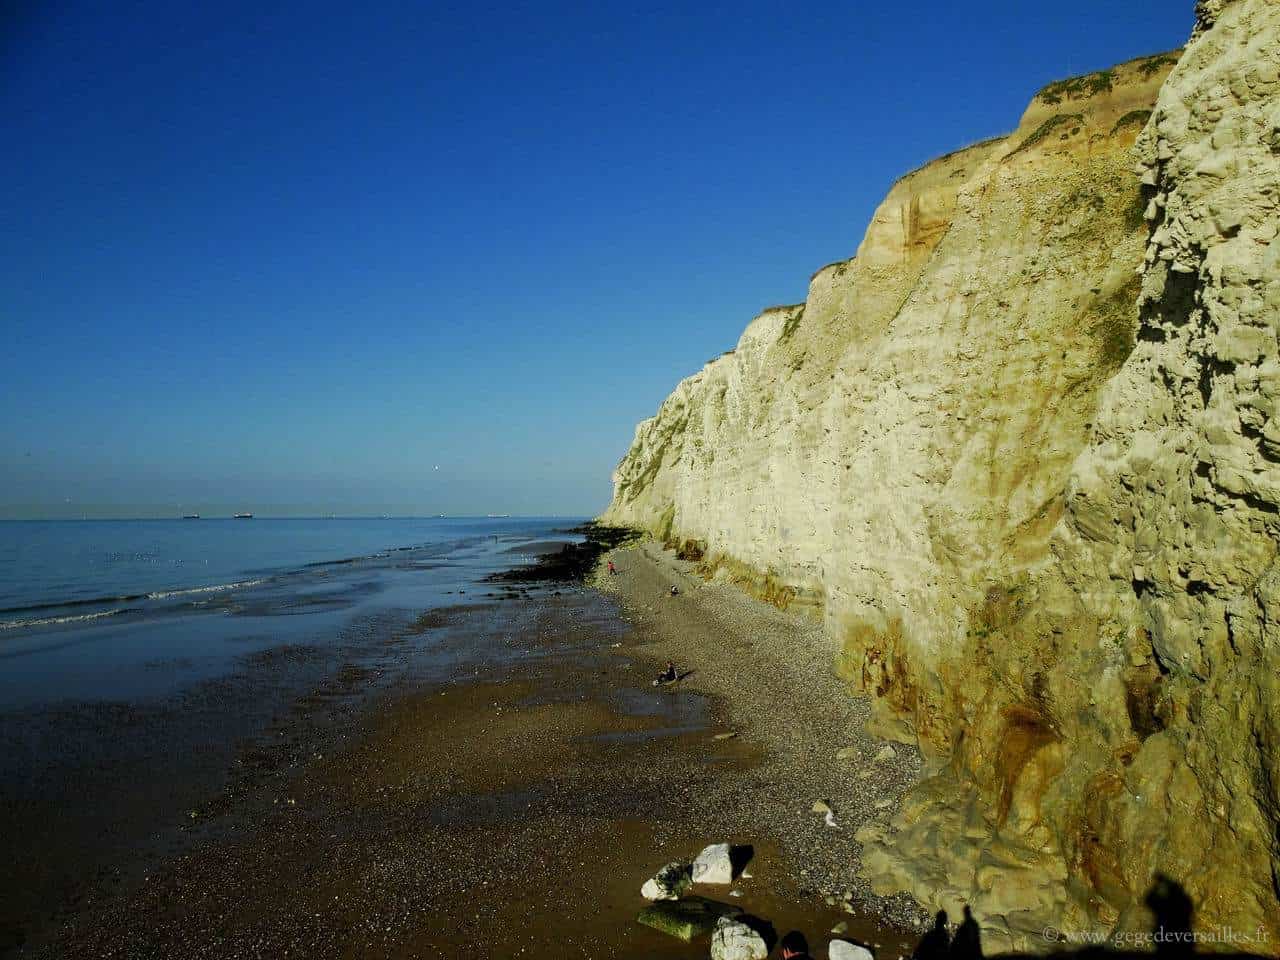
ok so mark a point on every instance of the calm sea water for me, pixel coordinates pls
(89, 608)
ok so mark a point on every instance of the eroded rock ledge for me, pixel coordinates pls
(1020, 455)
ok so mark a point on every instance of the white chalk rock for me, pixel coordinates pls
(733, 940)
(713, 865)
(844, 950)
(668, 883)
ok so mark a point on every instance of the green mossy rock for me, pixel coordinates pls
(688, 918)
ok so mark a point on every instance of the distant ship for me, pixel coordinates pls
(243, 516)
(191, 516)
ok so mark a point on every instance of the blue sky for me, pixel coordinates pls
(294, 257)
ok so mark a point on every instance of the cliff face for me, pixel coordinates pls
(1036, 492)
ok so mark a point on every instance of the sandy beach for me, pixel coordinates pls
(515, 807)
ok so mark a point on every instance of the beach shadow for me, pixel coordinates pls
(739, 857)
(1172, 909)
(967, 943)
(936, 944)
(687, 673)
(1171, 934)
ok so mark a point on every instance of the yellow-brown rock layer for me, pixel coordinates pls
(1019, 454)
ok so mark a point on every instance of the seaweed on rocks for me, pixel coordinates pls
(573, 561)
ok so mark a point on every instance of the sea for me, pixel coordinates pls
(153, 671)
(112, 609)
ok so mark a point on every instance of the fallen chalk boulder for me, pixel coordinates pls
(844, 950)
(734, 940)
(713, 865)
(669, 883)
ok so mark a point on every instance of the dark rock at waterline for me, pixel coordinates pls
(573, 561)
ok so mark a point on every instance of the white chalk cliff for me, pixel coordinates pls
(1022, 455)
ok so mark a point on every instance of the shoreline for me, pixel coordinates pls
(514, 804)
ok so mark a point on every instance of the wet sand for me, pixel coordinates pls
(513, 803)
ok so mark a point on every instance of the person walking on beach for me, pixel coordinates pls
(613, 571)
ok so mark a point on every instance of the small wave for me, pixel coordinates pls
(216, 588)
(50, 621)
(347, 561)
(120, 598)
(79, 617)
(62, 604)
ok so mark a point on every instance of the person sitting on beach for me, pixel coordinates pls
(668, 675)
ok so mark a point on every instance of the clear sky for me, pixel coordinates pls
(396, 257)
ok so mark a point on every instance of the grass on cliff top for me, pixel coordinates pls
(1103, 81)
(1079, 88)
(1149, 66)
(840, 267)
(1049, 126)
(989, 142)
